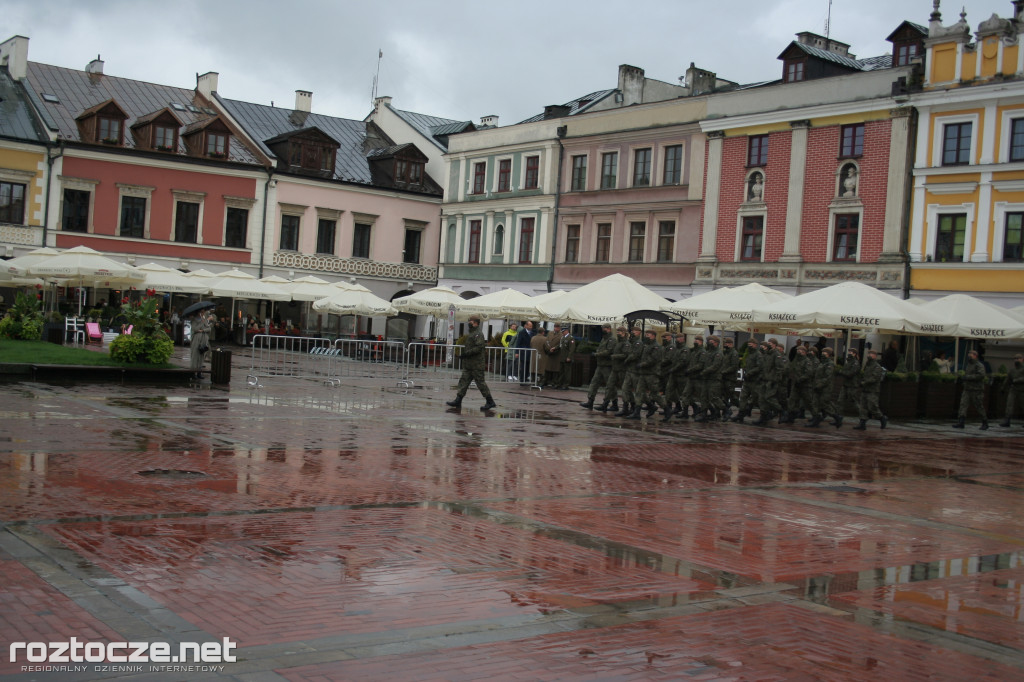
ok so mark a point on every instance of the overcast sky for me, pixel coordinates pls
(456, 59)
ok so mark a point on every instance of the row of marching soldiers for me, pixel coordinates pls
(639, 373)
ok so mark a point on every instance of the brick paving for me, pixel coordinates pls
(366, 532)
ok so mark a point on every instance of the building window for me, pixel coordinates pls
(572, 244)
(325, 230)
(290, 232)
(409, 172)
(904, 52)
(1017, 140)
(604, 243)
(133, 217)
(844, 241)
(361, 240)
(636, 242)
(449, 245)
(504, 175)
(794, 70)
(75, 216)
(673, 165)
(532, 172)
(109, 130)
(186, 222)
(642, 168)
(499, 240)
(474, 241)
(757, 150)
(753, 232)
(609, 170)
(12, 203)
(216, 144)
(949, 242)
(1013, 243)
(164, 138)
(851, 140)
(413, 239)
(236, 227)
(479, 172)
(956, 144)
(579, 173)
(666, 241)
(526, 240)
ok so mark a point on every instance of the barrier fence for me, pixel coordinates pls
(420, 365)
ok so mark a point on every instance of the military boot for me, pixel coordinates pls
(727, 414)
(489, 405)
(635, 414)
(589, 405)
(603, 407)
(762, 418)
(814, 422)
(959, 423)
(984, 425)
(626, 410)
(615, 405)
(862, 426)
(1005, 423)
(884, 420)
(652, 408)
(668, 413)
(837, 420)
(455, 403)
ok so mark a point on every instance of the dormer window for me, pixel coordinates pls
(157, 131)
(409, 172)
(108, 130)
(904, 52)
(216, 144)
(165, 138)
(795, 70)
(309, 151)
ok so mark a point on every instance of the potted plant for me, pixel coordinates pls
(24, 320)
(147, 342)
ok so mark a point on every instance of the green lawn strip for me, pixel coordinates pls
(44, 353)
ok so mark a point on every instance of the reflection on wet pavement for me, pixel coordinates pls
(373, 523)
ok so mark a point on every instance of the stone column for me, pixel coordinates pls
(896, 205)
(713, 187)
(795, 198)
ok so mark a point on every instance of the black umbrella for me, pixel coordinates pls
(196, 307)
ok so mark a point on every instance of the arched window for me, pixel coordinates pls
(499, 240)
(449, 252)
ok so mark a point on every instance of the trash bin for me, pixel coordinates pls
(55, 334)
(220, 366)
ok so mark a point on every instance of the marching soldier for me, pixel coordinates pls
(615, 377)
(676, 384)
(648, 367)
(603, 355)
(566, 351)
(711, 382)
(692, 389)
(824, 388)
(730, 366)
(974, 390)
(870, 385)
(850, 390)
(630, 380)
(473, 364)
(1014, 388)
(773, 382)
(749, 393)
(801, 373)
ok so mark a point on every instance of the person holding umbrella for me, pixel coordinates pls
(200, 343)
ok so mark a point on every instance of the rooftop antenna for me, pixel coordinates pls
(373, 94)
(828, 20)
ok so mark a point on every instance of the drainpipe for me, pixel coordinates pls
(263, 231)
(561, 132)
(912, 155)
(50, 158)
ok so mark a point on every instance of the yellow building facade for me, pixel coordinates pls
(966, 231)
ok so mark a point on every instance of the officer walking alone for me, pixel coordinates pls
(473, 364)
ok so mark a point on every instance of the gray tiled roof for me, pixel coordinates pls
(432, 127)
(578, 105)
(351, 163)
(78, 90)
(870, 64)
(16, 118)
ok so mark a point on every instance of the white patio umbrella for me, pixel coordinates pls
(433, 301)
(506, 303)
(355, 302)
(85, 267)
(851, 305)
(18, 267)
(241, 285)
(275, 279)
(727, 308)
(977, 319)
(608, 299)
(170, 281)
(352, 286)
(309, 288)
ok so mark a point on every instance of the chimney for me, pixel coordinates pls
(95, 66)
(303, 100)
(489, 120)
(631, 84)
(700, 81)
(382, 101)
(207, 84)
(556, 111)
(14, 55)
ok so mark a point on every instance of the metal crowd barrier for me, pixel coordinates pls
(439, 366)
(332, 362)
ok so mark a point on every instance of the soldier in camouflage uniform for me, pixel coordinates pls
(711, 382)
(603, 355)
(618, 357)
(473, 365)
(801, 374)
(824, 388)
(690, 396)
(974, 390)
(870, 385)
(631, 375)
(1014, 388)
(648, 367)
(849, 372)
(750, 391)
(730, 366)
(773, 377)
(676, 373)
